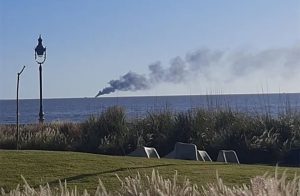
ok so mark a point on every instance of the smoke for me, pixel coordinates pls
(211, 65)
(129, 82)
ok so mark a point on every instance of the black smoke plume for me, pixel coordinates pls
(129, 82)
(206, 63)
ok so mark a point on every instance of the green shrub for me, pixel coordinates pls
(260, 138)
(157, 131)
(107, 133)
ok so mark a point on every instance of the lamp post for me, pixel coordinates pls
(18, 132)
(40, 57)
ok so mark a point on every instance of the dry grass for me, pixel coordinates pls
(267, 185)
(157, 185)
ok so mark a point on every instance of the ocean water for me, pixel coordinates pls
(79, 109)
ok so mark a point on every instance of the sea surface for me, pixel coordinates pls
(79, 109)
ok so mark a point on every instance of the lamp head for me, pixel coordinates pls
(40, 49)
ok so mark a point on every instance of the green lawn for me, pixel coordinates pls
(84, 170)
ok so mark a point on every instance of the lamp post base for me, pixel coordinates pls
(41, 119)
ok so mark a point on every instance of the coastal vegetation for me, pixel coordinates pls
(256, 138)
(132, 175)
(158, 185)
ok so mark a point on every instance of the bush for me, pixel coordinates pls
(157, 131)
(107, 133)
(255, 138)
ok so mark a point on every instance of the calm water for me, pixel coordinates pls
(79, 109)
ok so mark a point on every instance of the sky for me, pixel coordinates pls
(150, 48)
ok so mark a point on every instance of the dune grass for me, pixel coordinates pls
(256, 139)
(84, 170)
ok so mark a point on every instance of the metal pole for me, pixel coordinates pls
(18, 131)
(41, 113)
(18, 112)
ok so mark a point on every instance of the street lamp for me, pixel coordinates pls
(40, 57)
(18, 132)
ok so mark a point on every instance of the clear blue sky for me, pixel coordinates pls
(90, 42)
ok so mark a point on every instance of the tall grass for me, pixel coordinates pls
(260, 138)
(267, 185)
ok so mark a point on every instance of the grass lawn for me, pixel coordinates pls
(84, 170)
